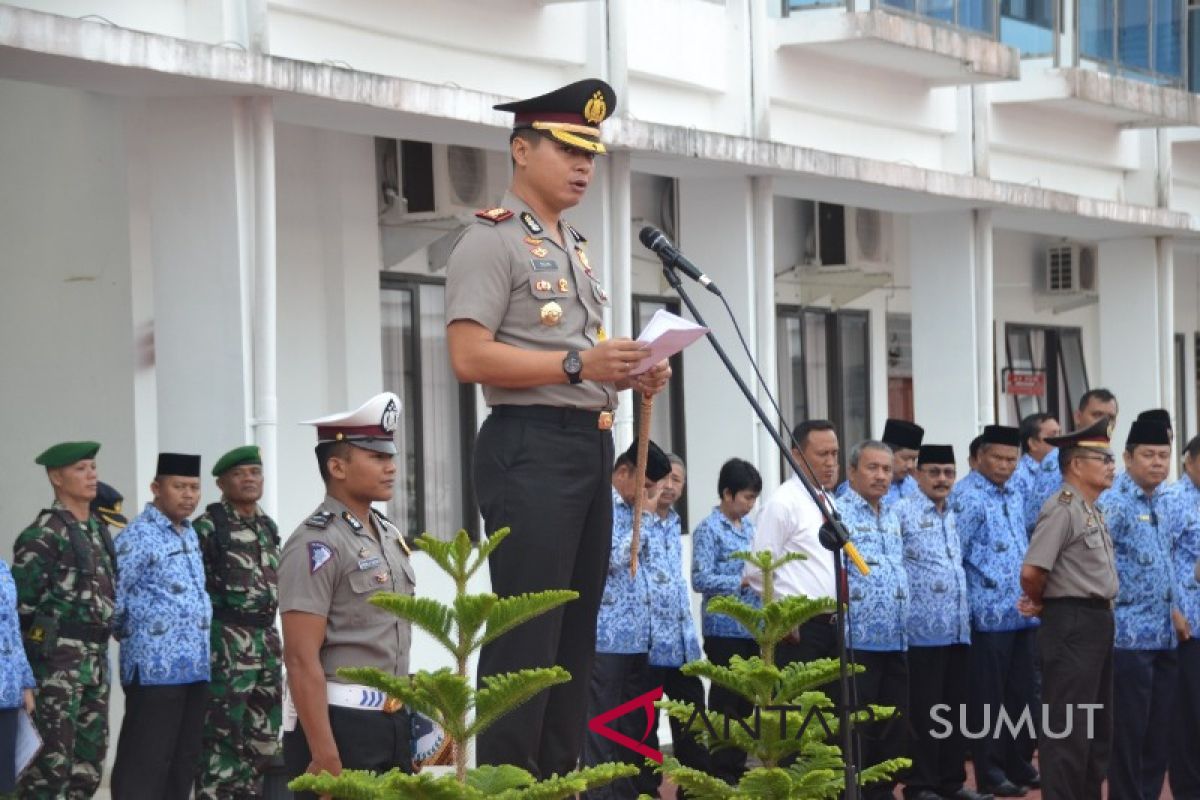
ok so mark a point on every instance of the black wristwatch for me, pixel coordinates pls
(573, 366)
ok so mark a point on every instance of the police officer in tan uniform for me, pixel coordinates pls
(525, 307)
(330, 567)
(1069, 579)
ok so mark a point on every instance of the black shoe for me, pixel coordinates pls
(922, 794)
(966, 793)
(1006, 789)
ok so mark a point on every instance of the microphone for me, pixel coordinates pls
(656, 241)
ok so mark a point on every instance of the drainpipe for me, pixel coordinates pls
(265, 423)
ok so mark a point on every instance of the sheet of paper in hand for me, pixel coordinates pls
(667, 334)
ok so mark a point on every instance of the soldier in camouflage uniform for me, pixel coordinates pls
(64, 566)
(240, 545)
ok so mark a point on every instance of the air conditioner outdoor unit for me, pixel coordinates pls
(842, 237)
(1070, 269)
(461, 184)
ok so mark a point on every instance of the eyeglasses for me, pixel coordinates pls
(938, 472)
(1105, 458)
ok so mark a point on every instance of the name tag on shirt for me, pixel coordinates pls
(369, 563)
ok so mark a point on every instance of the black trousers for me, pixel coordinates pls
(1144, 684)
(551, 484)
(684, 689)
(1075, 643)
(1002, 677)
(937, 676)
(366, 739)
(1185, 726)
(8, 750)
(616, 679)
(818, 639)
(884, 683)
(728, 764)
(158, 754)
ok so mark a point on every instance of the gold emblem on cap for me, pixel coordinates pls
(563, 286)
(551, 313)
(596, 109)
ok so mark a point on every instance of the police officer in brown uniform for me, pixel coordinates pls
(1069, 579)
(525, 308)
(330, 567)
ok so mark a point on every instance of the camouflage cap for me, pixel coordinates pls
(66, 453)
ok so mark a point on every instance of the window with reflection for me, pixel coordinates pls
(1058, 354)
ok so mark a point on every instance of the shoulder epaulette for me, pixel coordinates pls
(576, 235)
(494, 215)
(1065, 497)
(319, 520)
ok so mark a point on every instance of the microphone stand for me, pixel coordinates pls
(833, 537)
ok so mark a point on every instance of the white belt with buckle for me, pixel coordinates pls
(353, 695)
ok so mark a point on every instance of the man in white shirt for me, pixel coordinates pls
(790, 522)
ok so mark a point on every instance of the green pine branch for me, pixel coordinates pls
(501, 694)
(509, 612)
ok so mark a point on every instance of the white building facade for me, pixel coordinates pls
(222, 218)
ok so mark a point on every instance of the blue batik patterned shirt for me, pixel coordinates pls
(1181, 519)
(673, 640)
(715, 574)
(1047, 479)
(1024, 481)
(623, 624)
(878, 601)
(991, 531)
(1143, 553)
(933, 564)
(163, 612)
(15, 674)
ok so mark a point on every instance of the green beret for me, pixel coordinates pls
(60, 455)
(247, 454)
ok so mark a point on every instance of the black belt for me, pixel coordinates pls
(249, 618)
(92, 634)
(1082, 602)
(558, 415)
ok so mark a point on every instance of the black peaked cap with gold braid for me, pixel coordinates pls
(571, 114)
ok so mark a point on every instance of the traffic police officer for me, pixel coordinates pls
(939, 628)
(162, 618)
(64, 567)
(991, 528)
(524, 307)
(878, 629)
(1069, 579)
(331, 566)
(1148, 621)
(1182, 523)
(240, 545)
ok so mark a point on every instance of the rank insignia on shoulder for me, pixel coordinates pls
(352, 521)
(319, 519)
(532, 241)
(576, 235)
(531, 224)
(1065, 497)
(319, 554)
(36, 634)
(494, 214)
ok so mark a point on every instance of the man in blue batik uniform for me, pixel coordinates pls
(622, 667)
(1034, 430)
(725, 531)
(1094, 405)
(905, 440)
(991, 529)
(939, 630)
(878, 629)
(162, 618)
(1181, 519)
(673, 640)
(1147, 620)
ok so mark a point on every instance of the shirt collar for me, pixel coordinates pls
(159, 519)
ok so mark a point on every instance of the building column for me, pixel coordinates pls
(951, 340)
(717, 234)
(1132, 322)
(762, 274)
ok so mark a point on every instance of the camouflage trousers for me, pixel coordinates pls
(241, 728)
(71, 714)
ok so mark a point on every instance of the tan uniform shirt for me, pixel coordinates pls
(514, 279)
(1071, 541)
(331, 565)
